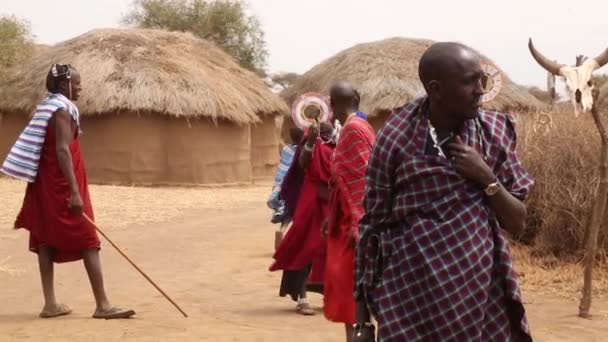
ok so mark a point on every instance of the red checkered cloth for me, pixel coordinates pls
(432, 262)
(347, 187)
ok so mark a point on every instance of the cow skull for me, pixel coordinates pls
(578, 79)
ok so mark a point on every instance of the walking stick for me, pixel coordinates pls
(133, 264)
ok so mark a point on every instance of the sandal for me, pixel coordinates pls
(60, 310)
(305, 309)
(113, 313)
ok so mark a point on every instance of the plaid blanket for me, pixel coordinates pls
(432, 262)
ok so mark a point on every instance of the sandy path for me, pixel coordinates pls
(214, 263)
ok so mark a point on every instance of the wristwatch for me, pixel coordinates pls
(492, 189)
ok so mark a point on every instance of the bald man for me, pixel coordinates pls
(444, 183)
(346, 189)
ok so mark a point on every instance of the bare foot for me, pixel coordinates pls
(55, 311)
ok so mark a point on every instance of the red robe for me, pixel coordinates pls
(302, 245)
(347, 188)
(45, 213)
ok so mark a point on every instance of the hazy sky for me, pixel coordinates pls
(300, 34)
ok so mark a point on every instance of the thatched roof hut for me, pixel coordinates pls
(158, 107)
(386, 74)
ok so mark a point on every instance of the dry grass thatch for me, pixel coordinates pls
(135, 70)
(386, 74)
(39, 48)
(603, 100)
(557, 277)
(562, 153)
(542, 95)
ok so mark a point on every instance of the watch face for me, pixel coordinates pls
(492, 189)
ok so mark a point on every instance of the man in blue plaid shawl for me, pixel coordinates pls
(444, 180)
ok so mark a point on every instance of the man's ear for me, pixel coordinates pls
(63, 85)
(433, 89)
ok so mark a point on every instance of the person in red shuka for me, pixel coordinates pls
(57, 196)
(346, 189)
(301, 254)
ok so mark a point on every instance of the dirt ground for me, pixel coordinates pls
(210, 250)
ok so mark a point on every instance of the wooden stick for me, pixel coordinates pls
(597, 215)
(134, 265)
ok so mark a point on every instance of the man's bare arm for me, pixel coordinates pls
(63, 137)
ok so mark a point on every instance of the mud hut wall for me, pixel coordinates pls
(11, 125)
(125, 148)
(202, 153)
(287, 125)
(156, 150)
(264, 148)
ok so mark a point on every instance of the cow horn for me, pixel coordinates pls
(543, 61)
(602, 59)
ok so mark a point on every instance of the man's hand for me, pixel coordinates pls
(313, 134)
(364, 335)
(470, 164)
(75, 204)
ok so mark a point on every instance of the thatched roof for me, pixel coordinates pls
(38, 48)
(134, 70)
(603, 99)
(386, 74)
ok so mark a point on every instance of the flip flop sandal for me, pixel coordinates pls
(114, 313)
(305, 309)
(62, 311)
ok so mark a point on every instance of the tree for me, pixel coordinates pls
(16, 42)
(224, 22)
(541, 95)
(284, 79)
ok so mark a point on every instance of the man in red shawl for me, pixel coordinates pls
(347, 187)
(47, 155)
(301, 253)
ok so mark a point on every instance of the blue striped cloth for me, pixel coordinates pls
(23, 159)
(285, 162)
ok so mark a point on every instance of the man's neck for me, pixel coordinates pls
(443, 125)
(64, 95)
(347, 114)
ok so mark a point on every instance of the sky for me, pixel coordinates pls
(301, 34)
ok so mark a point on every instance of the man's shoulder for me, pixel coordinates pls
(52, 104)
(359, 125)
(497, 118)
(401, 119)
(492, 116)
(399, 130)
(500, 124)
